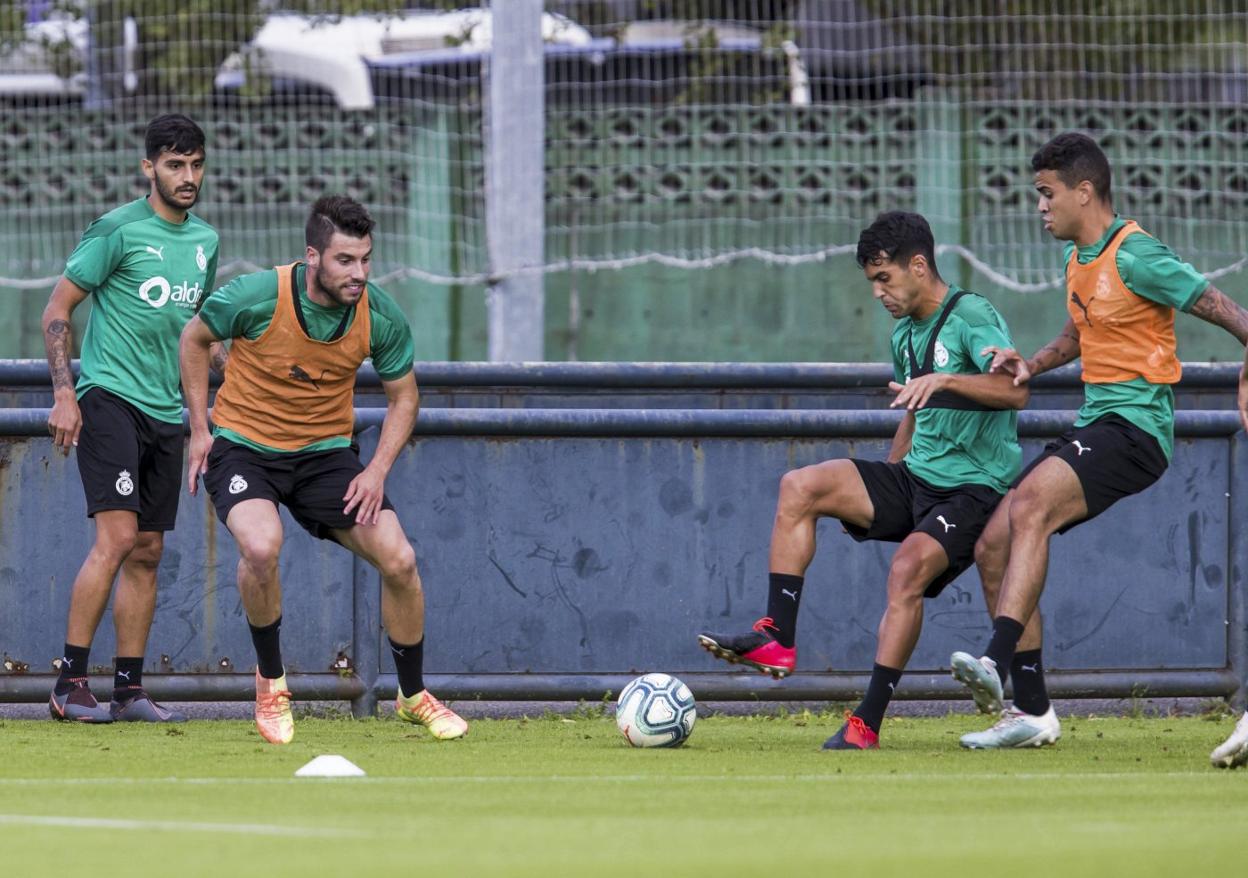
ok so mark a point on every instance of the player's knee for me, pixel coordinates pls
(908, 576)
(989, 555)
(398, 564)
(260, 551)
(147, 551)
(115, 545)
(796, 492)
(1030, 512)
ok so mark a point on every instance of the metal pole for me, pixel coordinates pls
(365, 635)
(515, 182)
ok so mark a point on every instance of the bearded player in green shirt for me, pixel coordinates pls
(146, 266)
(952, 458)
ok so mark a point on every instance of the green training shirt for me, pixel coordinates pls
(1152, 271)
(244, 307)
(146, 277)
(952, 447)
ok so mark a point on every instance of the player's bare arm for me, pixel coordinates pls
(1243, 392)
(902, 438)
(194, 357)
(366, 490)
(65, 420)
(997, 390)
(1058, 352)
(1216, 307)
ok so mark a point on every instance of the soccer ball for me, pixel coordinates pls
(656, 710)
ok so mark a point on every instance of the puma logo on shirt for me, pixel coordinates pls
(1074, 297)
(297, 373)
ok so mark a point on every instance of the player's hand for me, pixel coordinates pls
(917, 391)
(364, 495)
(1243, 396)
(65, 423)
(1009, 361)
(197, 464)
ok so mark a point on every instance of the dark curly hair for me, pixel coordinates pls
(898, 235)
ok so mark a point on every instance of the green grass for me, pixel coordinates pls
(562, 796)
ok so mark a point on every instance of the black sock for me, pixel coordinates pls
(73, 664)
(268, 644)
(784, 593)
(1005, 635)
(879, 692)
(1030, 694)
(127, 674)
(409, 661)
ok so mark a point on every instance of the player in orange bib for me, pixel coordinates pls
(283, 435)
(1122, 289)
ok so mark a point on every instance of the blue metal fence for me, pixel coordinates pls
(565, 548)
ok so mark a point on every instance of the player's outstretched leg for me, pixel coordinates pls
(757, 648)
(1233, 752)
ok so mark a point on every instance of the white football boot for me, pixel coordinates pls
(1233, 752)
(1016, 729)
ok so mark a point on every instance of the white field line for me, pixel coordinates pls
(602, 779)
(177, 826)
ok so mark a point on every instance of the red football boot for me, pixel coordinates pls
(757, 649)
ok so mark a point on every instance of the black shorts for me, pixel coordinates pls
(311, 484)
(905, 504)
(129, 460)
(1112, 457)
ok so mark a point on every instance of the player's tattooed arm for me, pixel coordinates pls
(58, 339)
(219, 356)
(65, 419)
(1216, 307)
(1058, 352)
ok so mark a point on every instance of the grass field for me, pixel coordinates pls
(565, 796)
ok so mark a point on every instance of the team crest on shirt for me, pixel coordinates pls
(237, 484)
(201, 258)
(942, 354)
(124, 485)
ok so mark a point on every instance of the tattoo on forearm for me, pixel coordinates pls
(220, 357)
(1058, 352)
(1217, 308)
(56, 340)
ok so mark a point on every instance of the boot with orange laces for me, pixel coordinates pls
(273, 717)
(422, 708)
(425, 710)
(854, 735)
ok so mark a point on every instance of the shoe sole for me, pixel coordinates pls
(1040, 740)
(985, 699)
(62, 718)
(776, 672)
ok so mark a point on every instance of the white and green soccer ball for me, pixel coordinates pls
(656, 710)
